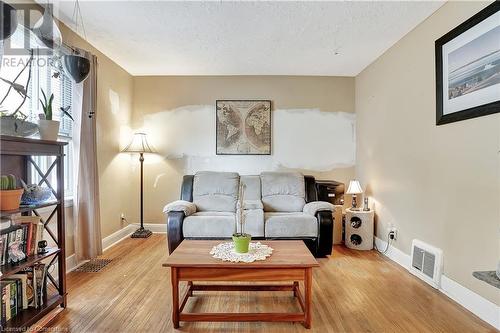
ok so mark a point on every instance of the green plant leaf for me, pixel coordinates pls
(48, 113)
(44, 96)
(48, 116)
(43, 105)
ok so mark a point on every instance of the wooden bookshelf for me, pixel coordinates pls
(17, 158)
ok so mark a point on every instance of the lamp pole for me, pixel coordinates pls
(141, 232)
(141, 158)
(140, 145)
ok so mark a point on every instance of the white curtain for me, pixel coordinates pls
(86, 212)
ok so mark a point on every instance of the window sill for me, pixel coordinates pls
(68, 202)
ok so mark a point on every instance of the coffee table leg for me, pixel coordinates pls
(295, 286)
(175, 297)
(308, 292)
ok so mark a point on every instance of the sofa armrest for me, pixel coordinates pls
(312, 208)
(188, 208)
(174, 230)
(252, 204)
(325, 233)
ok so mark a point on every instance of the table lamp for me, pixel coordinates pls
(354, 189)
(140, 145)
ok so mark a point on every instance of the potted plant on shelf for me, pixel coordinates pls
(241, 240)
(10, 193)
(48, 128)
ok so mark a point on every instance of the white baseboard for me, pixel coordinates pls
(481, 307)
(107, 242)
(394, 254)
(157, 228)
(478, 305)
(71, 263)
(117, 236)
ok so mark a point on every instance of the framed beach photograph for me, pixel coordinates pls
(468, 68)
(243, 127)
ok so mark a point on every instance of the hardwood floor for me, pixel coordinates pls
(352, 292)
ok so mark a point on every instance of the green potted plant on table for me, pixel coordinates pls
(241, 240)
(49, 128)
(10, 193)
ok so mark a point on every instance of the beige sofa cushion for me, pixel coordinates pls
(254, 222)
(284, 225)
(283, 191)
(252, 190)
(215, 191)
(209, 225)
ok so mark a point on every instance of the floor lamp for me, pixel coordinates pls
(140, 145)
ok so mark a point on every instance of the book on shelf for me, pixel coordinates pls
(4, 223)
(27, 289)
(20, 239)
(26, 294)
(9, 296)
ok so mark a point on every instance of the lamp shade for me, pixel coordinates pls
(139, 144)
(354, 187)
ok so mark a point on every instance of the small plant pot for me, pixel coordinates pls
(10, 199)
(49, 129)
(241, 242)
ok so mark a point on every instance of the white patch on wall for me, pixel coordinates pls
(302, 139)
(114, 101)
(314, 140)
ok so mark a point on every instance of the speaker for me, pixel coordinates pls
(359, 229)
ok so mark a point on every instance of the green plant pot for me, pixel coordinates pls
(241, 242)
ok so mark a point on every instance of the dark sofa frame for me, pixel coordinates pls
(319, 246)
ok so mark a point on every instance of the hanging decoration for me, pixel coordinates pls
(77, 66)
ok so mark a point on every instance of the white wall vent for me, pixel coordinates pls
(426, 262)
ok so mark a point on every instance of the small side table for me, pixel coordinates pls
(359, 229)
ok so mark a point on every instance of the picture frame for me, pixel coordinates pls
(468, 68)
(243, 127)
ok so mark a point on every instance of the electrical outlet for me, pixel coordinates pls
(393, 233)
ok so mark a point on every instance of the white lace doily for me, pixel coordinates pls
(226, 252)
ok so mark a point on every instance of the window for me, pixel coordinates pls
(46, 77)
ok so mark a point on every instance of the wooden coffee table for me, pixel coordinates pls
(290, 261)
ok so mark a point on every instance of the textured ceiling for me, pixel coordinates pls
(245, 38)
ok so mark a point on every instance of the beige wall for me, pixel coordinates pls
(439, 184)
(155, 98)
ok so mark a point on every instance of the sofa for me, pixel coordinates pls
(277, 205)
